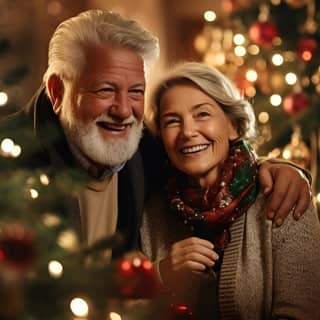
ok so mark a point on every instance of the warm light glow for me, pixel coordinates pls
(253, 49)
(147, 265)
(291, 78)
(315, 79)
(68, 240)
(114, 316)
(79, 307)
(239, 39)
(200, 43)
(55, 269)
(286, 154)
(16, 151)
(275, 2)
(277, 59)
(263, 117)
(318, 197)
(44, 179)
(275, 100)
(125, 265)
(250, 91)
(136, 262)
(34, 194)
(251, 75)
(306, 55)
(7, 145)
(209, 16)
(50, 219)
(3, 98)
(240, 51)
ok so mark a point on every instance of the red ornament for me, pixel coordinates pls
(263, 33)
(180, 312)
(295, 103)
(306, 48)
(137, 278)
(17, 247)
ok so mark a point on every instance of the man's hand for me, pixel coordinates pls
(287, 188)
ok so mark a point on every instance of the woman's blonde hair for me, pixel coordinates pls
(212, 82)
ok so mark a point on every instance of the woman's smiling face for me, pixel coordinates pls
(195, 132)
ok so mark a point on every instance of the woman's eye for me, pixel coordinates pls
(203, 114)
(170, 122)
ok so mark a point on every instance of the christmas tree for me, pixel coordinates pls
(271, 51)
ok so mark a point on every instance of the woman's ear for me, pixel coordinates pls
(233, 132)
(56, 90)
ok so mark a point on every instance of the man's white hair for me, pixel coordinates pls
(68, 44)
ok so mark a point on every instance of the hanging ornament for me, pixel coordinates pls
(137, 278)
(296, 103)
(306, 47)
(17, 247)
(297, 3)
(297, 151)
(263, 33)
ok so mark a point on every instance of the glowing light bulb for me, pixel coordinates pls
(55, 269)
(114, 316)
(251, 75)
(277, 59)
(16, 151)
(239, 39)
(318, 197)
(291, 78)
(240, 51)
(209, 16)
(44, 179)
(34, 193)
(275, 100)
(263, 117)
(3, 98)
(79, 307)
(7, 145)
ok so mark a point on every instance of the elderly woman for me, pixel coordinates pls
(208, 233)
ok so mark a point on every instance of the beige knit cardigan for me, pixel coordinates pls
(267, 272)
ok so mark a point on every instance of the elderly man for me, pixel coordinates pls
(88, 115)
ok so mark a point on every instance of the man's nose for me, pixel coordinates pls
(121, 108)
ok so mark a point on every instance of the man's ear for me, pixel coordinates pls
(56, 90)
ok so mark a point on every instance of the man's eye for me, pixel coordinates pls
(105, 89)
(137, 92)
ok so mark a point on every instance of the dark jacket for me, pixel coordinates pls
(36, 128)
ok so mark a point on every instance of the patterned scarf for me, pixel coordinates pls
(211, 211)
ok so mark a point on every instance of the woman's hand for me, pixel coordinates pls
(287, 188)
(185, 256)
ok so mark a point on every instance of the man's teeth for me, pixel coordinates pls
(200, 147)
(112, 126)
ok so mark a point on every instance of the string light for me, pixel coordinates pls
(34, 194)
(44, 179)
(209, 16)
(3, 98)
(7, 145)
(79, 307)
(55, 269)
(275, 100)
(291, 78)
(277, 59)
(114, 316)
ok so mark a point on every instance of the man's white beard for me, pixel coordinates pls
(87, 139)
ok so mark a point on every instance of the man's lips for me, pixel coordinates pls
(113, 126)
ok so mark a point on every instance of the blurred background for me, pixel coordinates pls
(269, 48)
